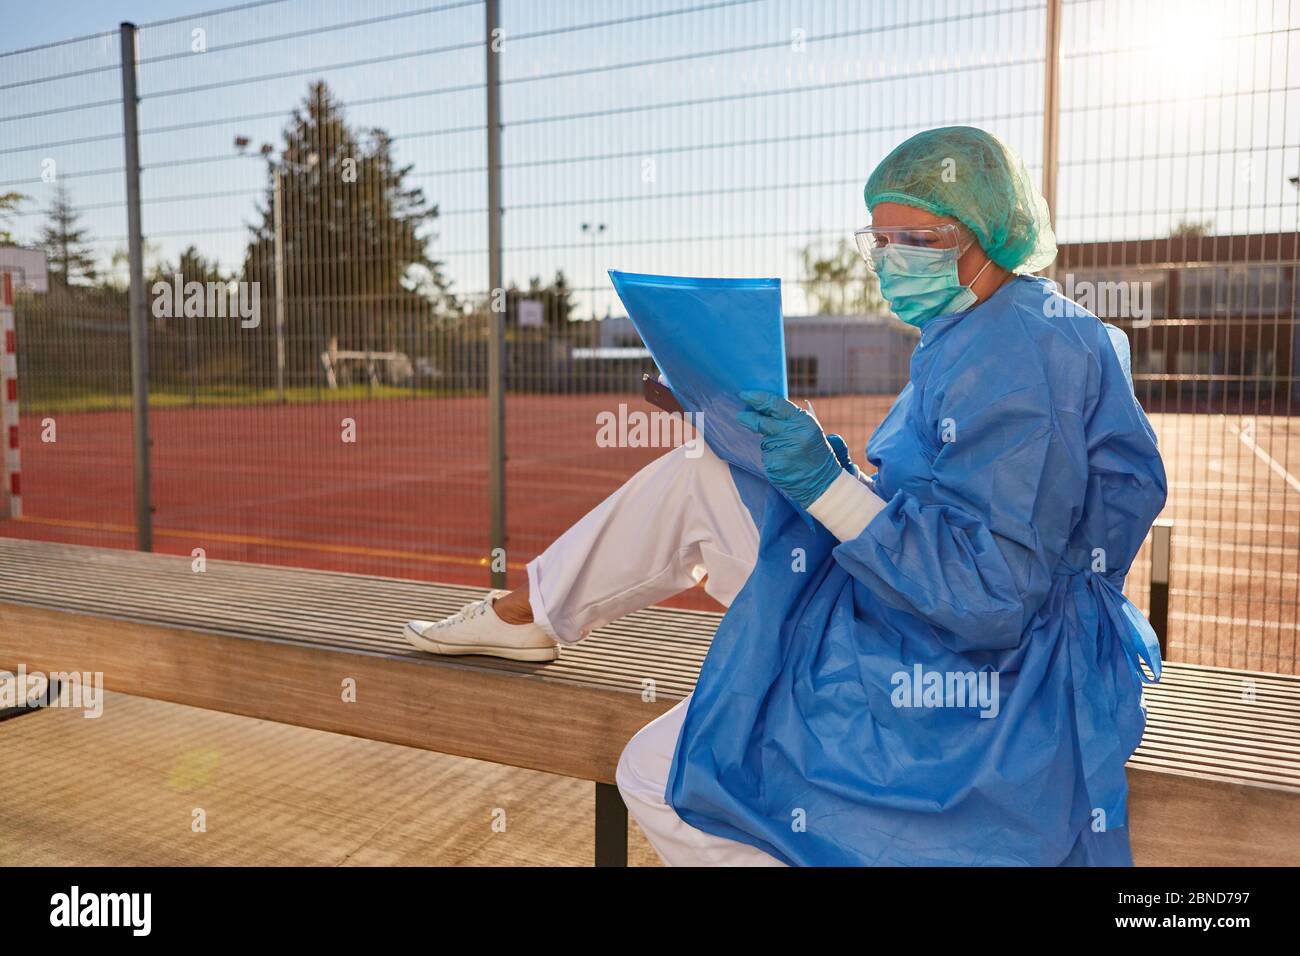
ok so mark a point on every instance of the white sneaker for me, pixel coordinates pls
(476, 629)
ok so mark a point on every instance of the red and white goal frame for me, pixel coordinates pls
(11, 500)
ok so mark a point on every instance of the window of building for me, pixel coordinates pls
(1235, 290)
(1249, 363)
(801, 372)
(1148, 361)
(1259, 290)
(1193, 363)
(1202, 291)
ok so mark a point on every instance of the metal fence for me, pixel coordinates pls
(427, 196)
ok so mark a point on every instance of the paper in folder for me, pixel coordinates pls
(712, 338)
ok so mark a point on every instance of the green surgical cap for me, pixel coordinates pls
(973, 177)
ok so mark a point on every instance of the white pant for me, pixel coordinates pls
(673, 522)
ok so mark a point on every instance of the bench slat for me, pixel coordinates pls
(1198, 724)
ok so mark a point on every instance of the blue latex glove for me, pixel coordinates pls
(841, 449)
(796, 455)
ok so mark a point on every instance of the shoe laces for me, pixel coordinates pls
(467, 613)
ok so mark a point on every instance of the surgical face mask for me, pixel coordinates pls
(921, 283)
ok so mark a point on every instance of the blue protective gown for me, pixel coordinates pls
(1021, 477)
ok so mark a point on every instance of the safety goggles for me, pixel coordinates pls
(946, 239)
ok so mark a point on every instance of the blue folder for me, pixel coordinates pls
(712, 338)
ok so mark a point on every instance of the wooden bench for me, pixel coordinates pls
(1215, 782)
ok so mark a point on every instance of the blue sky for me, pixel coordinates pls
(709, 137)
(31, 24)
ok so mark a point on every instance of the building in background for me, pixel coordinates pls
(1219, 329)
(847, 354)
(825, 354)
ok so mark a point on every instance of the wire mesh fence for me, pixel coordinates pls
(1178, 206)
(315, 206)
(61, 170)
(347, 373)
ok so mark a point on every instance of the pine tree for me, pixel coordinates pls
(357, 270)
(67, 247)
(556, 299)
(8, 205)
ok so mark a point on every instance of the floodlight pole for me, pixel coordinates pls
(1051, 113)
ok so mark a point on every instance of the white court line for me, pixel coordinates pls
(1210, 544)
(1235, 486)
(1217, 571)
(1234, 621)
(1208, 524)
(1264, 456)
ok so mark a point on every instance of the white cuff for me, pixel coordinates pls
(846, 507)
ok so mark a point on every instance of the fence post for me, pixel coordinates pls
(496, 320)
(1051, 112)
(1161, 543)
(139, 319)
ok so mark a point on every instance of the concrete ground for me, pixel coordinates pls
(154, 783)
(151, 783)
